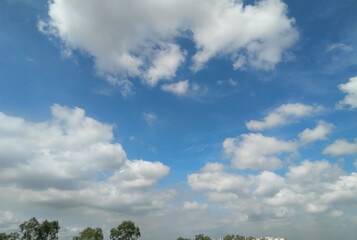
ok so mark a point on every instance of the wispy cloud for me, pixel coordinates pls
(149, 118)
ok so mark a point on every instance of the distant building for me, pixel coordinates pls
(270, 238)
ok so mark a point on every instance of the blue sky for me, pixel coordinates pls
(226, 116)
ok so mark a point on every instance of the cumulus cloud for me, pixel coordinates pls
(350, 89)
(139, 39)
(341, 147)
(165, 64)
(318, 133)
(219, 182)
(179, 88)
(71, 161)
(317, 187)
(255, 151)
(283, 115)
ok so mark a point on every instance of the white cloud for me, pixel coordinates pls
(213, 167)
(257, 33)
(179, 88)
(318, 133)
(341, 147)
(268, 183)
(309, 188)
(149, 118)
(219, 182)
(340, 46)
(350, 88)
(283, 115)
(71, 162)
(138, 39)
(125, 86)
(310, 174)
(165, 64)
(230, 82)
(255, 151)
(194, 206)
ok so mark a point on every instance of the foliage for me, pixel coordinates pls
(33, 230)
(181, 238)
(202, 237)
(90, 234)
(235, 237)
(11, 236)
(125, 231)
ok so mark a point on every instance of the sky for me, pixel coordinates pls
(208, 116)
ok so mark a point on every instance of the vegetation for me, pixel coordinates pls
(34, 230)
(125, 231)
(90, 234)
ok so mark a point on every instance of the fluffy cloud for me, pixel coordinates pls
(179, 88)
(256, 152)
(165, 64)
(70, 161)
(318, 133)
(219, 182)
(138, 39)
(308, 188)
(341, 147)
(350, 88)
(283, 115)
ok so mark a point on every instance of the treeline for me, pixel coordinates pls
(34, 230)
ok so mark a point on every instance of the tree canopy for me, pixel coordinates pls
(125, 231)
(33, 230)
(90, 234)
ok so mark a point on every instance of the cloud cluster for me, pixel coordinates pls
(317, 187)
(71, 161)
(283, 115)
(139, 39)
(258, 152)
(299, 191)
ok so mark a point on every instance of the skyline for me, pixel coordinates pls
(214, 116)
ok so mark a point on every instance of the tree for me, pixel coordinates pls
(13, 236)
(90, 234)
(181, 238)
(202, 237)
(48, 230)
(125, 231)
(29, 229)
(33, 230)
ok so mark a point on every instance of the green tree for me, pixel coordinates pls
(90, 234)
(125, 231)
(48, 230)
(33, 230)
(181, 238)
(29, 229)
(11, 236)
(202, 237)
